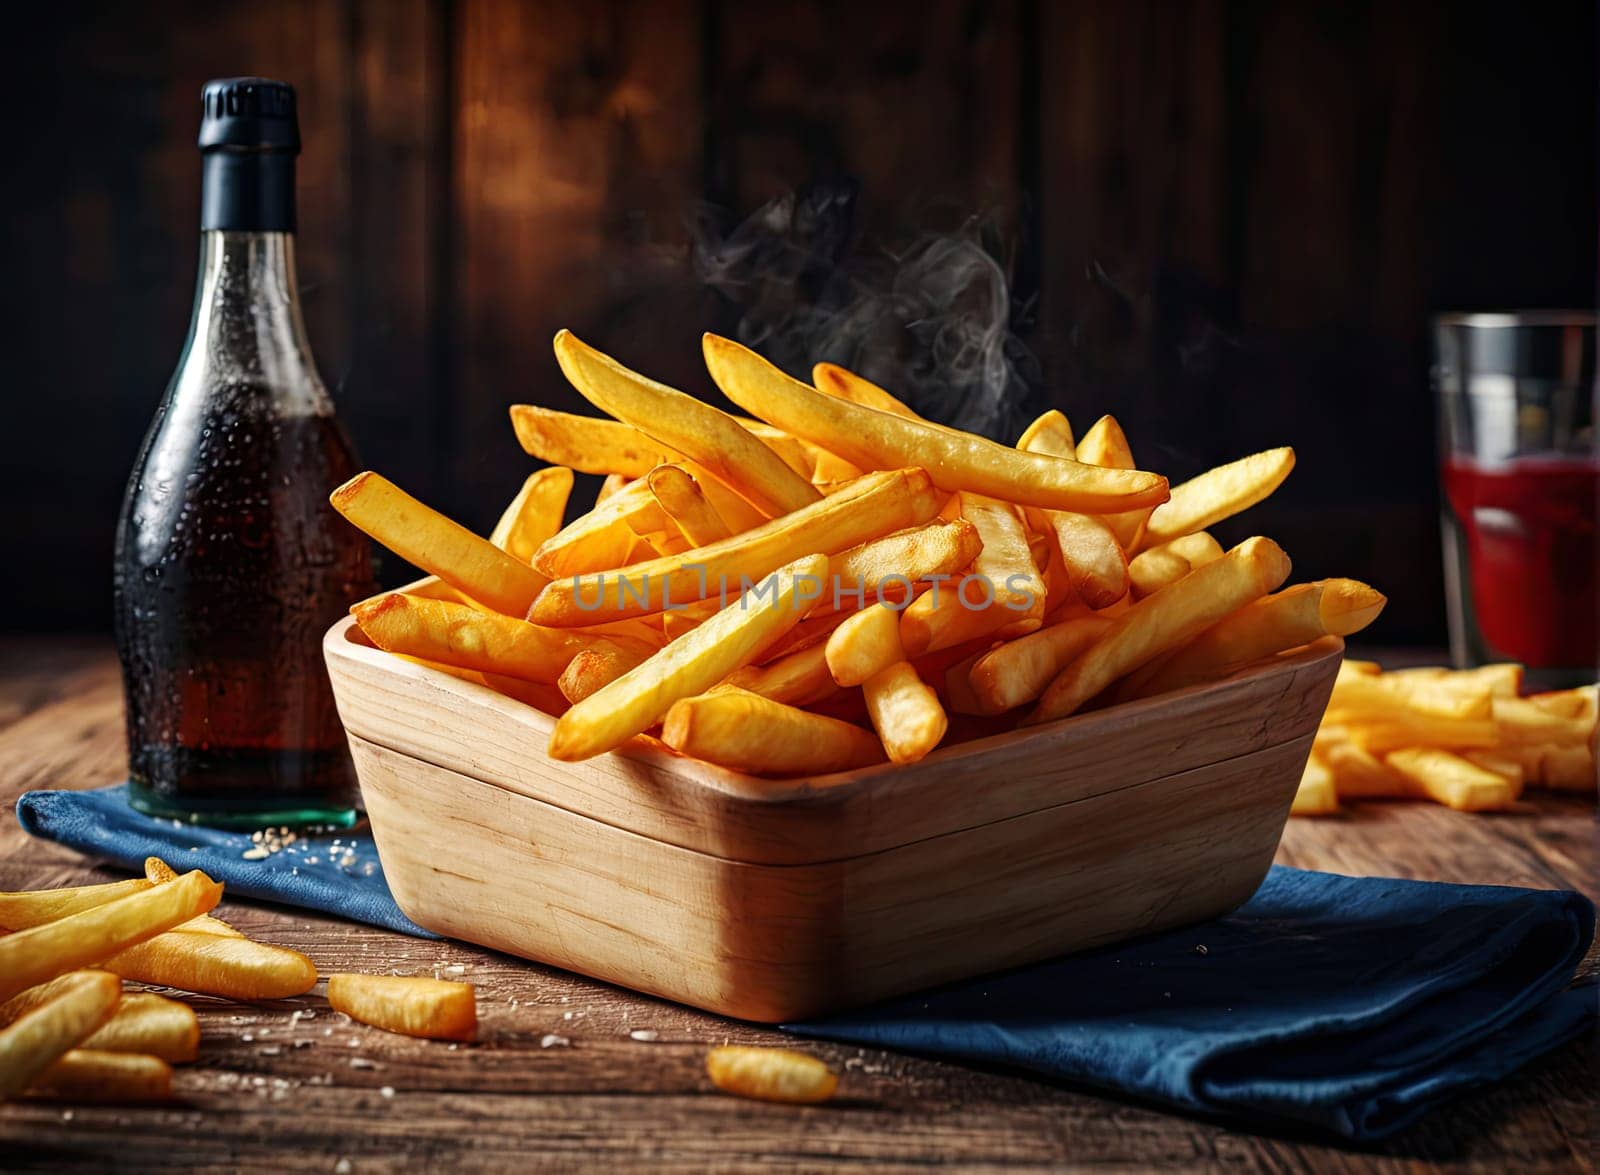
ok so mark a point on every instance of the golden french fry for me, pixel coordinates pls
(798, 679)
(706, 434)
(886, 569)
(1217, 494)
(847, 385)
(1151, 571)
(1018, 671)
(864, 644)
(588, 444)
(1089, 553)
(798, 455)
(1521, 722)
(1370, 668)
(680, 619)
(1004, 559)
(956, 461)
(1197, 549)
(108, 1078)
(38, 1032)
(905, 712)
(958, 695)
(1580, 703)
(770, 1075)
(611, 485)
(1050, 432)
(955, 613)
(1450, 780)
(1503, 680)
(31, 956)
(1164, 621)
(1570, 768)
(148, 1023)
(455, 634)
(1407, 728)
(830, 469)
(747, 732)
(434, 1008)
(157, 871)
(1358, 773)
(535, 514)
(810, 633)
(18, 911)
(422, 536)
(1316, 795)
(678, 493)
(690, 665)
(1506, 767)
(1384, 695)
(214, 964)
(1285, 620)
(1105, 444)
(606, 536)
(598, 666)
(877, 504)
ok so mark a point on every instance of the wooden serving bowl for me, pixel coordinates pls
(784, 900)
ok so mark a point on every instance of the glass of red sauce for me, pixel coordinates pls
(1520, 464)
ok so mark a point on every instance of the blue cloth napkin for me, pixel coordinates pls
(337, 873)
(1353, 1005)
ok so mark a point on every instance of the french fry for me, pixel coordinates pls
(683, 618)
(1580, 703)
(613, 483)
(1106, 445)
(1090, 554)
(18, 911)
(1407, 728)
(535, 514)
(798, 679)
(830, 469)
(1218, 493)
(1453, 781)
(1358, 773)
(884, 569)
(214, 964)
(956, 461)
(689, 665)
(1521, 722)
(770, 1075)
(108, 1078)
(1150, 571)
(455, 634)
(1197, 549)
(1316, 795)
(1501, 680)
(76, 1005)
(1382, 696)
(32, 956)
(1018, 671)
(157, 871)
(905, 712)
(1164, 621)
(953, 614)
(1506, 767)
(588, 444)
(706, 434)
(606, 536)
(148, 1023)
(747, 732)
(1004, 558)
(847, 385)
(877, 504)
(433, 1008)
(1570, 768)
(810, 633)
(424, 537)
(864, 644)
(1296, 616)
(598, 666)
(678, 494)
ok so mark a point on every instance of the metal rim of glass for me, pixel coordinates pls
(1515, 318)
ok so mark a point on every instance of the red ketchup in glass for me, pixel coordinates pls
(1532, 550)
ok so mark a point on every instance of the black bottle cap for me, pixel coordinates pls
(249, 114)
(249, 137)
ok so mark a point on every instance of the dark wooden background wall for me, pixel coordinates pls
(1226, 222)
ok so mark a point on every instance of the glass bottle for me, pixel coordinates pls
(230, 564)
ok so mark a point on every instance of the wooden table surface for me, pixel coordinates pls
(578, 1074)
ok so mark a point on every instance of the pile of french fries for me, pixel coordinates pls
(69, 1030)
(1467, 739)
(832, 581)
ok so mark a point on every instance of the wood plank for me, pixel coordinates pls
(571, 166)
(289, 1097)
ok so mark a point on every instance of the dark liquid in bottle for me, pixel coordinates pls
(230, 567)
